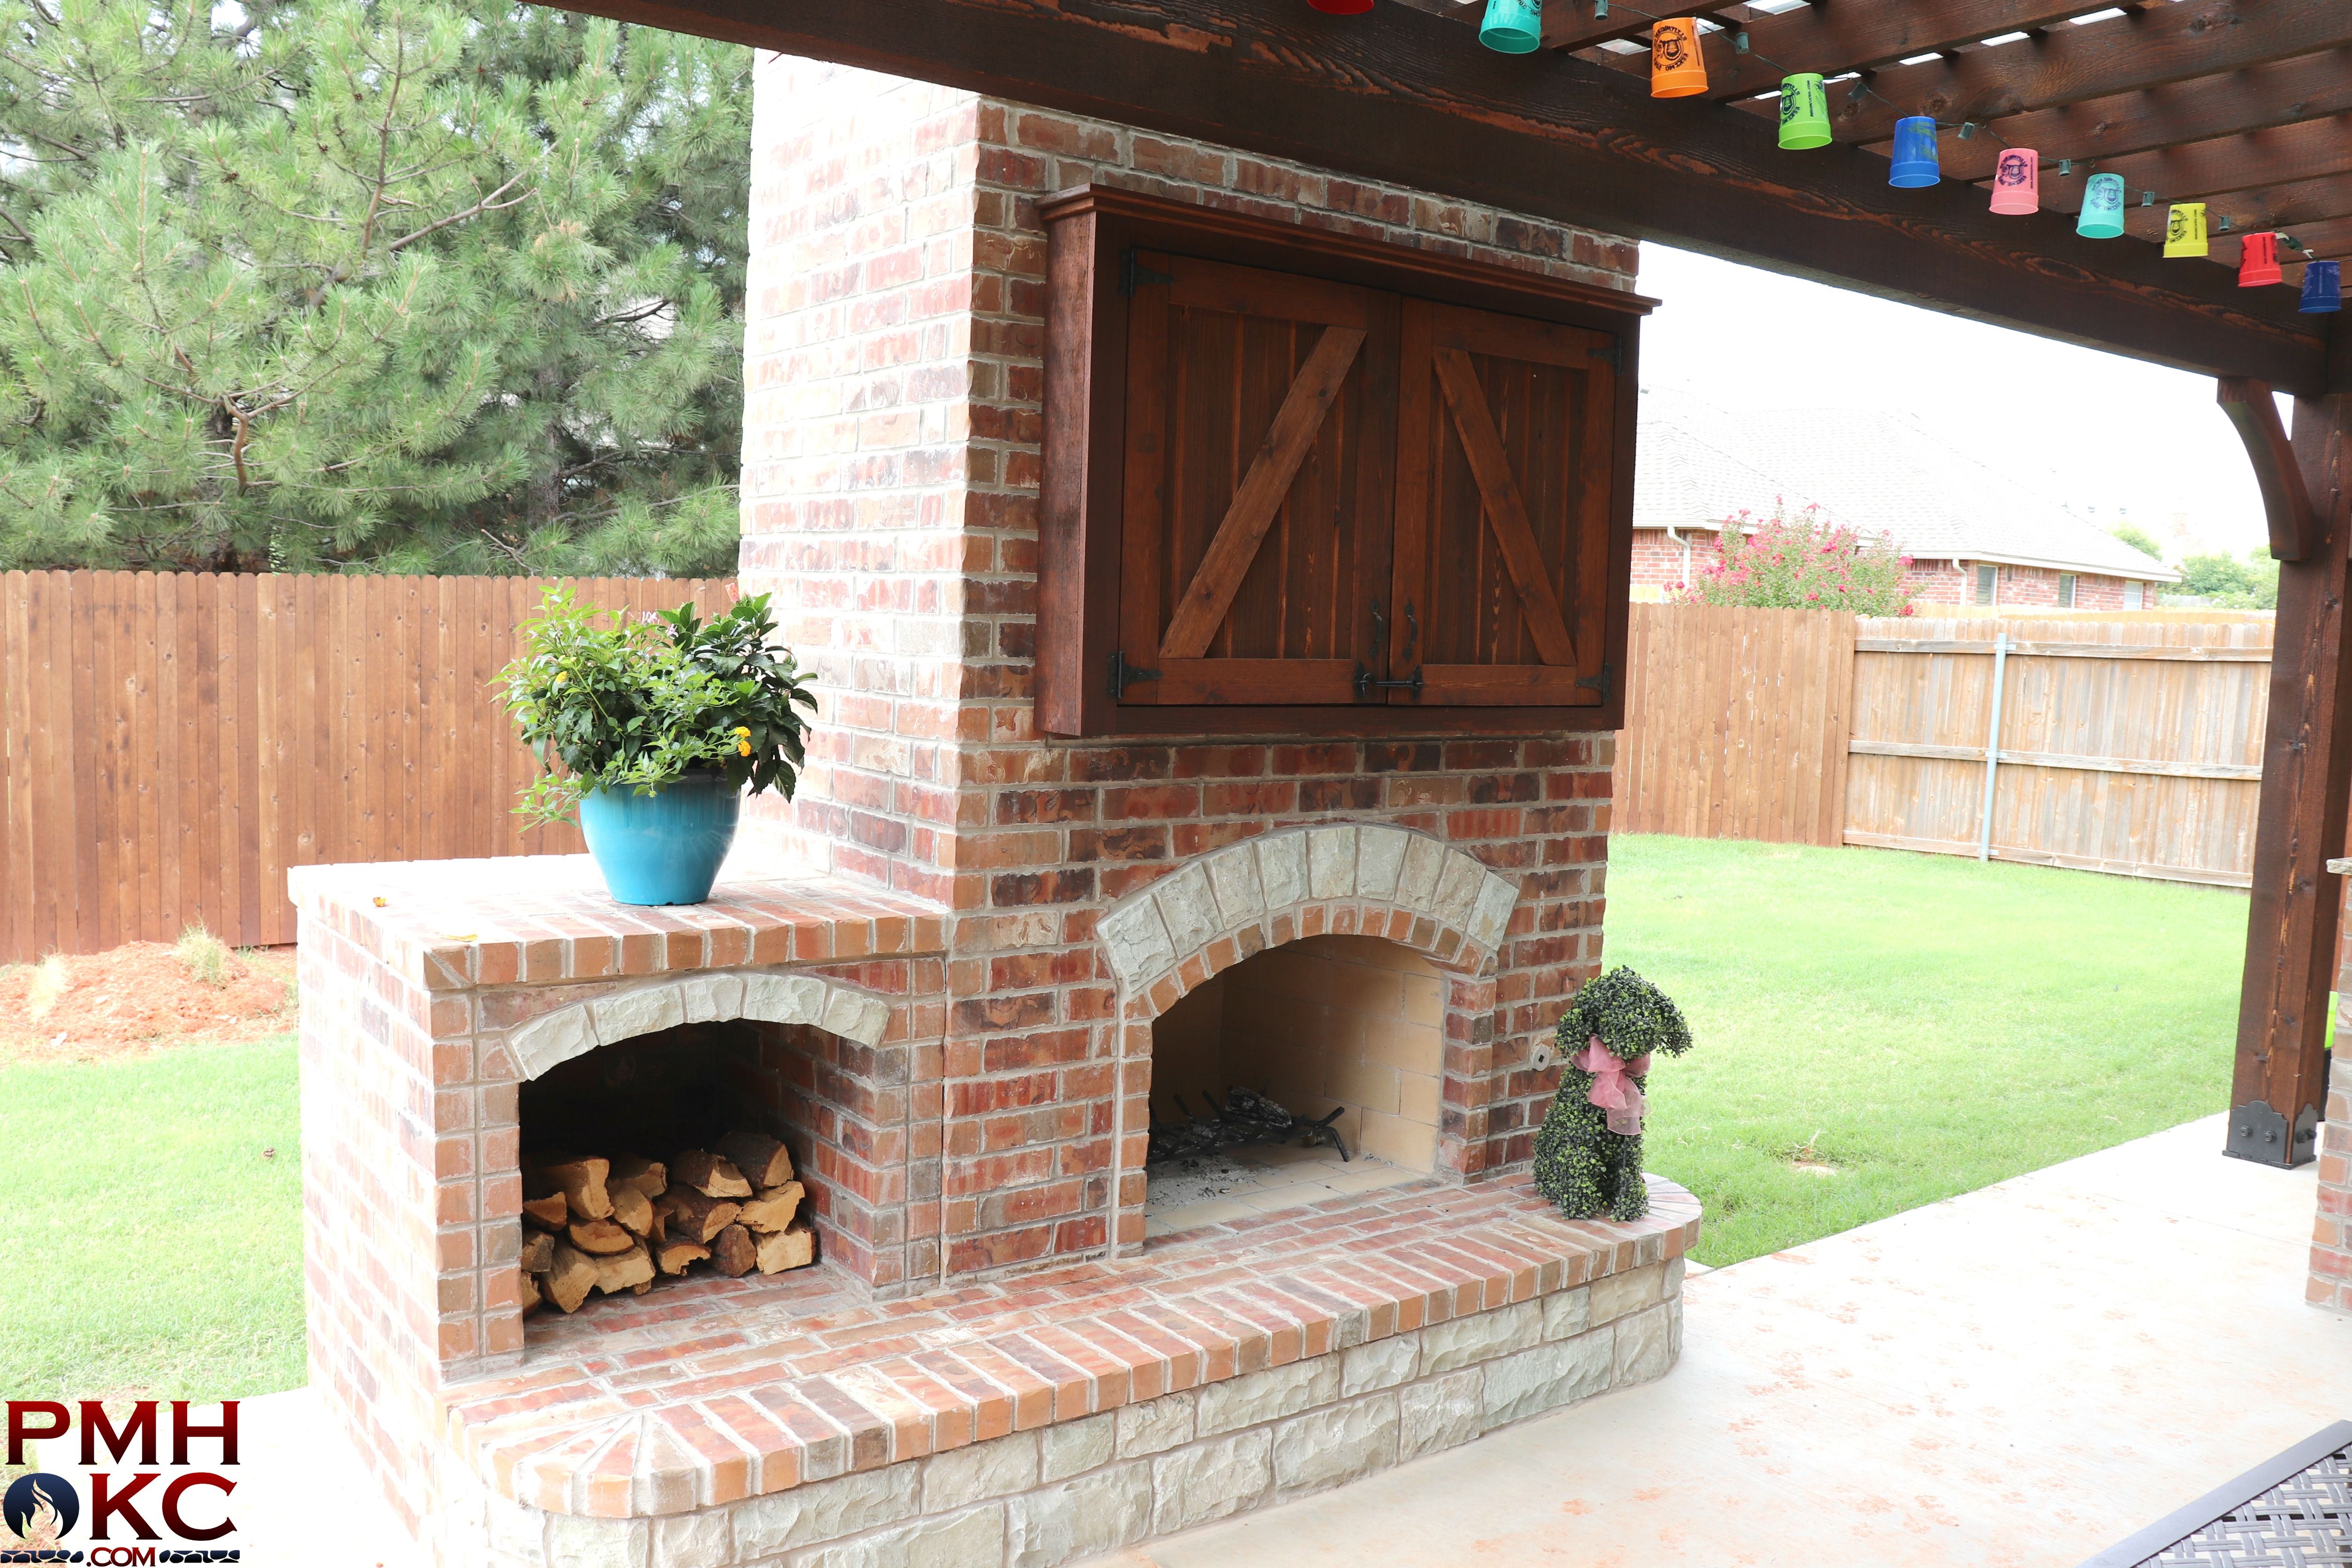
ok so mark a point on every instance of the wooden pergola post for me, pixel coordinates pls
(2280, 1085)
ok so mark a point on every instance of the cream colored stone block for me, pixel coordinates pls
(576, 1541)
(1380, 860)
(1408, 1047)
(1331, 862)
(1616, 1295)
(1480, 1336)
(1424, 860)
(1547, 1377)
(630, 1013)
(1424, 1000)
(1457, 889)
(1258, 1396)
(1204, 1482)
(1188, 908)
(1567, 1313)
(785, 999)
(853, 1015)
(1069, 1447)
(1492, 912)
(1327, 1447)
(712, 999)
(1439, 1413)
(822, 1511)
(1085, 1518)
(699, 1540)
(1232, 873)
(551, 1040)
(1135, 940)
(1644, 1348)
(1417, 1097)
(1365, 1084)
(960, 1541)
(1281, 868)
(1382, 1363)
(978, 1471)
(1412, 1144)
(1155, 1426)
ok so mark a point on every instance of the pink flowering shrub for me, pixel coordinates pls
(1801, 563)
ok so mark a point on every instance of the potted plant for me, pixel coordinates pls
(650, 727)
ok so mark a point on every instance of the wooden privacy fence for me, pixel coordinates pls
(174, 742)
(2124, 746)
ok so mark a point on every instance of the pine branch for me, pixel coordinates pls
(490, 203)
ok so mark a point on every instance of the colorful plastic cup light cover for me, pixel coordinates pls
(2258, 262)
(2017, 181)
(1804, 113)
(2103, 208)
(1678, 70)
(1915, 162)
(2184, 230)
(1513, 27)
(2323, 288)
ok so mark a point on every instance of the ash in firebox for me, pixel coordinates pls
(1196, 1178)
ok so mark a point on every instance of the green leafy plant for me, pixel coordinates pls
(2136, 537)
(2229, 582)
(607, 701)
(1800, 564)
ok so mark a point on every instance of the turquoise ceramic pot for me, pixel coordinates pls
(664, 848)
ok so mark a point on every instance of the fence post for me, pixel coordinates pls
(1993, 743)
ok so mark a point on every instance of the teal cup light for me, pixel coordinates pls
(1513, 27)
(2103, 208)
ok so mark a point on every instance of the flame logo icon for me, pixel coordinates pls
(39, 1509)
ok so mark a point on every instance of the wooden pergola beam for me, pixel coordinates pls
(2252, 412)
(2298, 207)
(2070, 64)
(2213, 170)
(1397, 95)
(2277, 1088)
(2255, 98)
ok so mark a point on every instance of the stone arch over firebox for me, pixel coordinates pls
(1167, 940)
(557, 1036)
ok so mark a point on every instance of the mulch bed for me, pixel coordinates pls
(138, 998)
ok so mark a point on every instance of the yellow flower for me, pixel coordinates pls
(742, 732)
(742, 748)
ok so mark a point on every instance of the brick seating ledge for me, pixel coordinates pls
(704, 1394)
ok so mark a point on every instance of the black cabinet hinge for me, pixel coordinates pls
(1134, 275)
(1604, 683)
(1124, 675)
(1613, 356)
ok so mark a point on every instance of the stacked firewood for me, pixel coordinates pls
(593, 1224)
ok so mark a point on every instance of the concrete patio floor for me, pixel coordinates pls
(2016, 1378)
(2021, 1376)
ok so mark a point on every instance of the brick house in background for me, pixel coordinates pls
(1977, 538)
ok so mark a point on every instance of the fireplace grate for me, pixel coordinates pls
(2298, 1515)
(1246, 1118)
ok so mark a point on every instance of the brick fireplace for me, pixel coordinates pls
(961, 974)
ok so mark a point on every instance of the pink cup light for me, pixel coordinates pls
(2017, 181)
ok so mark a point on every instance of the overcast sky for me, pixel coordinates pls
(2088, 429)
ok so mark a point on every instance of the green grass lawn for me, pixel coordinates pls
(1921, 1025)
(150, 1244)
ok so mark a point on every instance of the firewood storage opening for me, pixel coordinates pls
(1305, 1072)
(660, 1161)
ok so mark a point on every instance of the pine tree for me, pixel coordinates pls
(368, 284)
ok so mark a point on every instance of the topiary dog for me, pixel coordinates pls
(1588, 1151)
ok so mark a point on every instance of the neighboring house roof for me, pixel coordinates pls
(1876, 472)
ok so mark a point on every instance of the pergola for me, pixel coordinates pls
(2246, 105)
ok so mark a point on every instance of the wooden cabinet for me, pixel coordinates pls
(1297, 483)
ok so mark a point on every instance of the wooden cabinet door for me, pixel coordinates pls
(1505, 458)
(1260, 450)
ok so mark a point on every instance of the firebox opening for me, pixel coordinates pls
(681, 1099)
(1348, 1024)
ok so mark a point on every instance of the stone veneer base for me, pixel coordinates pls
(1054, 1416)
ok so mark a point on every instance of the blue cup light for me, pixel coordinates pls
(1916, 163)
(2103, 208)
(2323, 288)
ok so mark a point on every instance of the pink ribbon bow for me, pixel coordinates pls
(1613, 1089)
